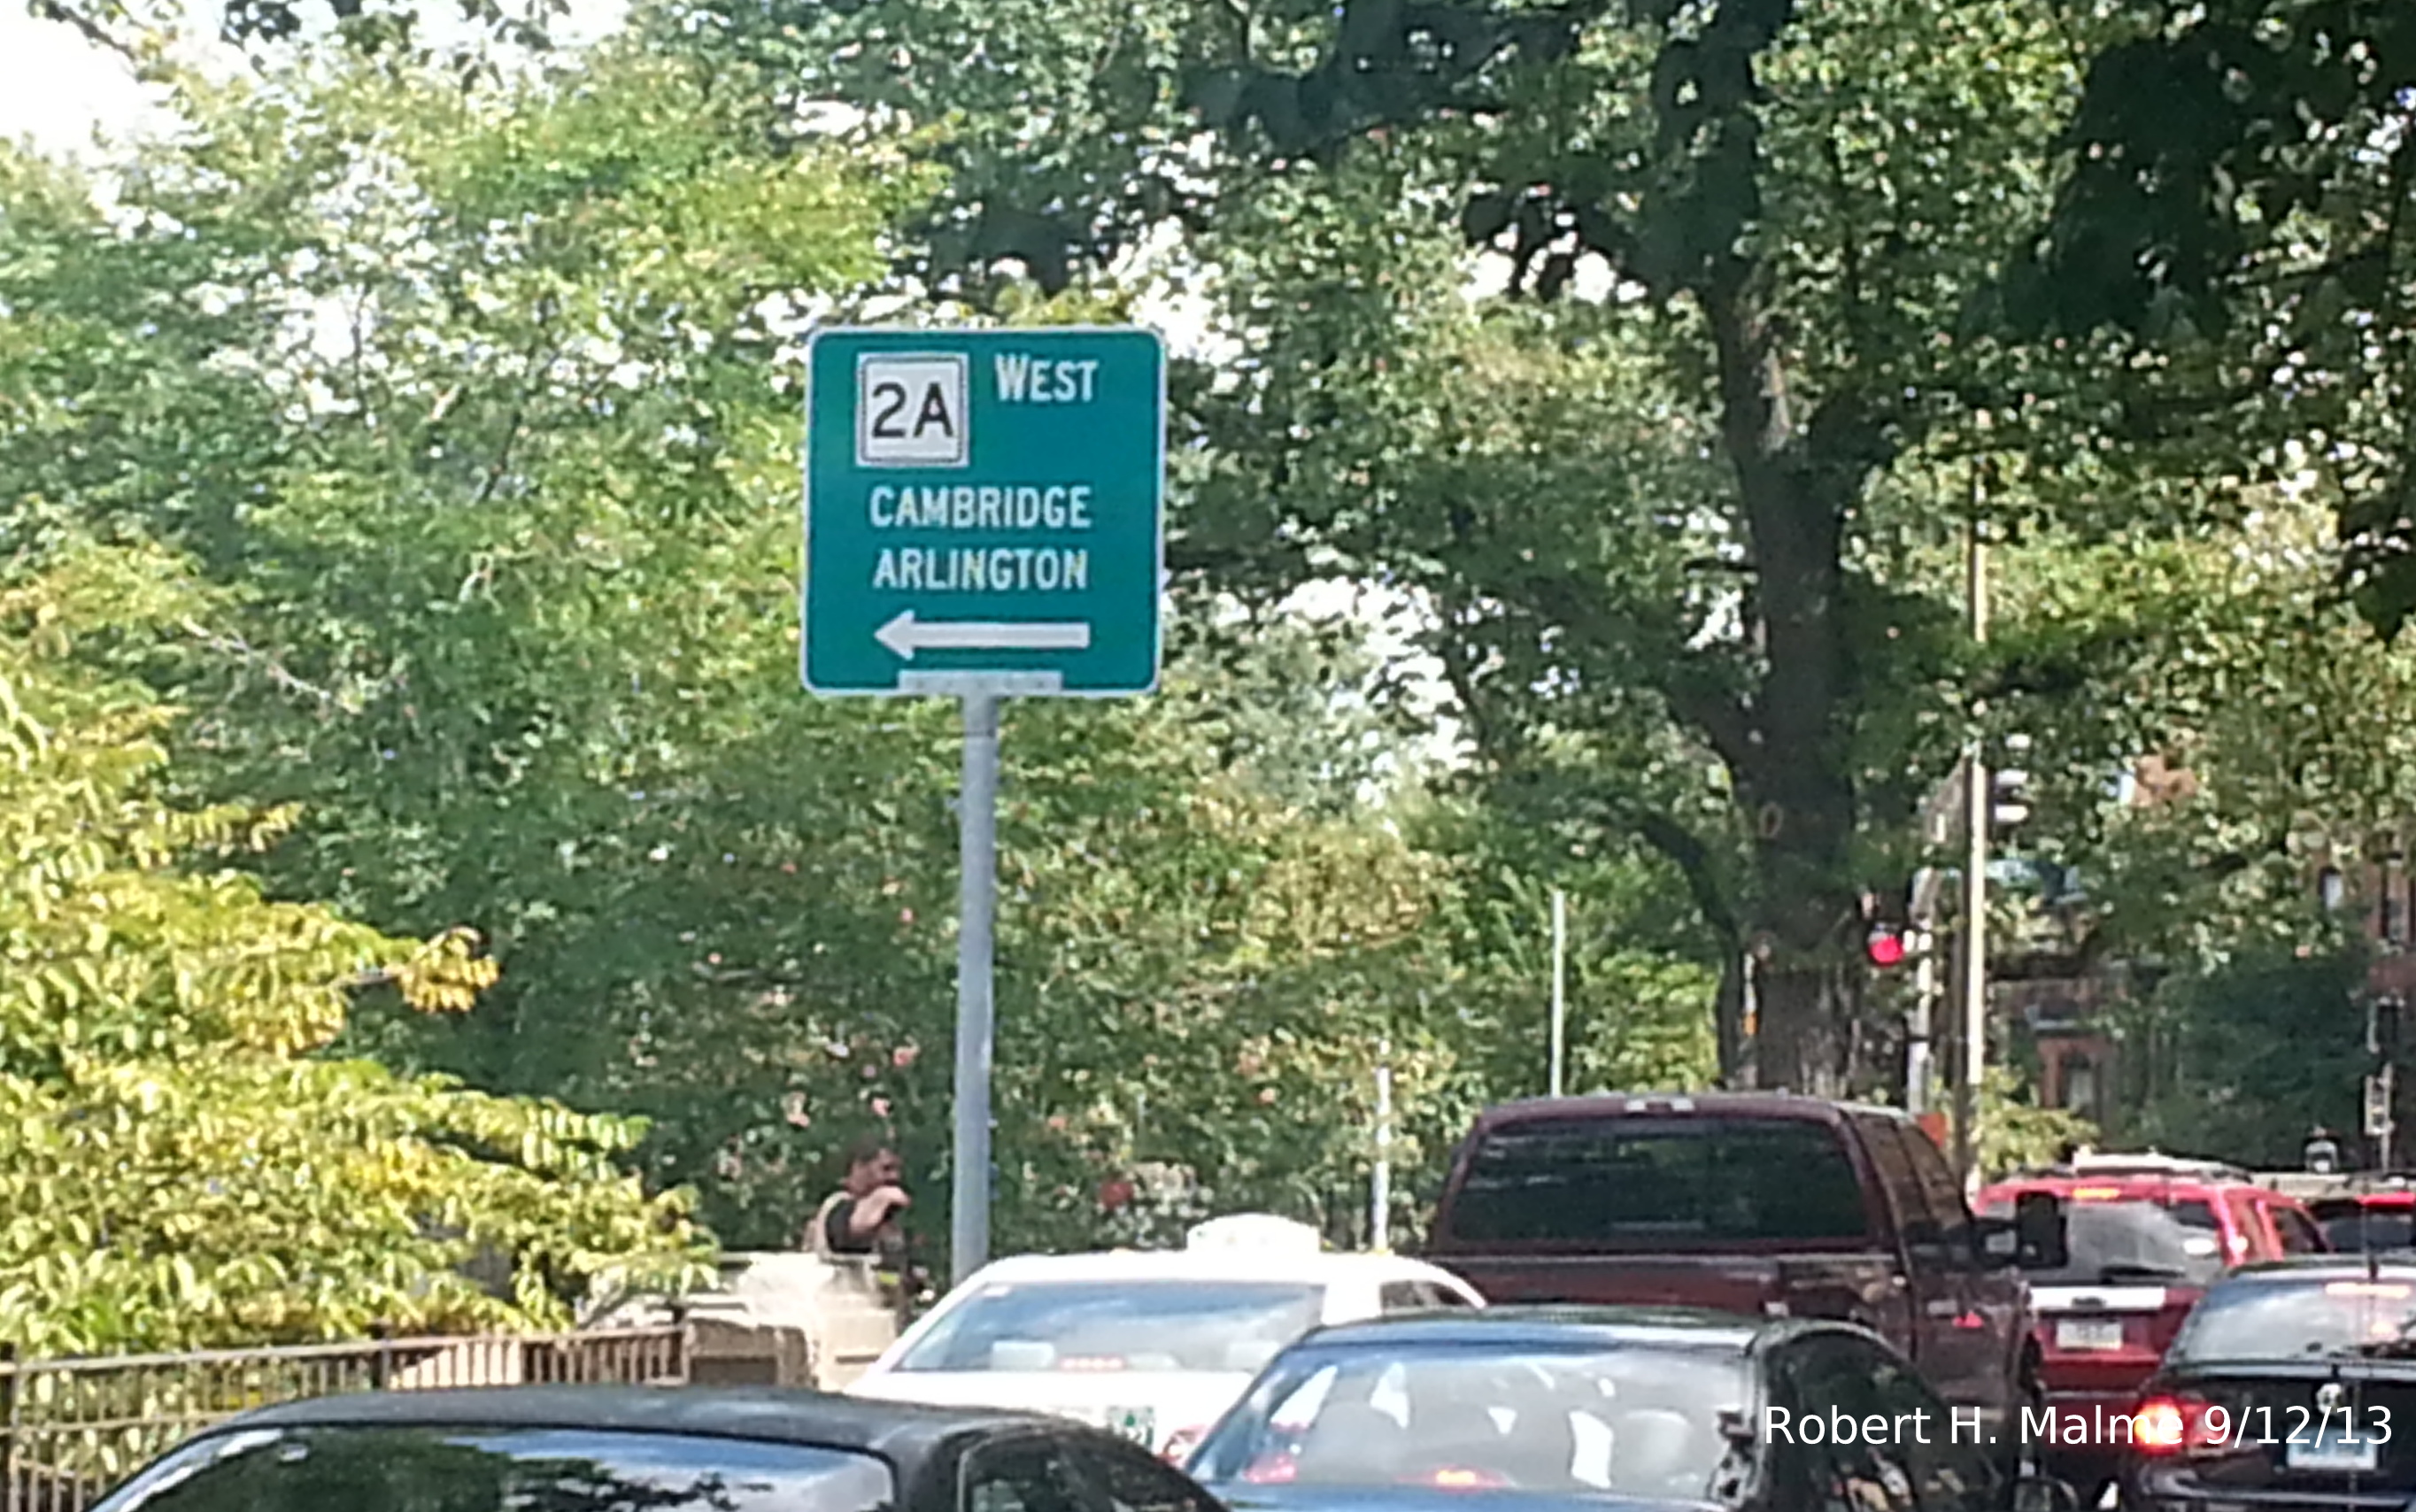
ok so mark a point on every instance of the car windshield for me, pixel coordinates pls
(1660, 1183)
(1219, 1327)
(2285, 1318)
(2354, 1228)
(2201, 1239)
(425, 1469)
(1632, 1421)
(2115, 1242)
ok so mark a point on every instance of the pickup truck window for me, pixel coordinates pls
(1893, 1163)
(1649, 1183)
(1942, 1193)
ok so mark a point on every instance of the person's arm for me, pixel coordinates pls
(867, 1213)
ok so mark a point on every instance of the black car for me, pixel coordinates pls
(2292, 1383)
(641, 1449)
(1600, 1406)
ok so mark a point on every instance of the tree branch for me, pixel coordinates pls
(1695, 863)
(243, 651)
(98, 34)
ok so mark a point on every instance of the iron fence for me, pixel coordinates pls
(72, 1428)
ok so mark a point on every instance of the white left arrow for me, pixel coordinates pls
(906, 635)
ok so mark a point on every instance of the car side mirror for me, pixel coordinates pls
(2040, 1493)
(2041, 1241)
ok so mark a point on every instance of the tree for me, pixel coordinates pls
(184, 1167)
(1690, 514)
(2248, 1055)
(513, 534)
(2279, 725)
(2233, 222)
(472, 397)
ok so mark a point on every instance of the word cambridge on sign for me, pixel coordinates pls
(982, 519)
(982, 511)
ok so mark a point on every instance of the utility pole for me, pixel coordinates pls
(1924, 1089)
(1560, 987)
(1975, 874)
(2383, 1015)
(1920, 1025)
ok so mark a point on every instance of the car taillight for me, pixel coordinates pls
(1457, 1479)
(2173, 1425)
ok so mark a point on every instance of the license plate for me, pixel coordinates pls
(2332, 1450)
(2088, 1333)
(1139, 1424)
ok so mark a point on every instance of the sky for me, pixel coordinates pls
(55, 87)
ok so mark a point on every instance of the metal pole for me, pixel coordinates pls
(976, 913)
(1975, 880)
(2390, 1116)
(1749, 1020)
(1560, 986)
(1919, 1064)
(1379, 1196)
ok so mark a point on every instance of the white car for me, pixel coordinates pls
(1153, 1344)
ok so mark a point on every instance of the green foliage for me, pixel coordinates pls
(2017, 1134)
(512, 535)
(183, 1168)
(1662, 531)
(2282, 727)
(2251, 1055)
(1638, 992)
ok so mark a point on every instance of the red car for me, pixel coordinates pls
(2382, 1219)
(2147, 1235)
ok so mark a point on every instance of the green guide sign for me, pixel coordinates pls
(984, 511)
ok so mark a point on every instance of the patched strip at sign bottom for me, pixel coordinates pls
(981, 684)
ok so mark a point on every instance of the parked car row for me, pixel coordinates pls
(1751, 1302)
(1547, 1408)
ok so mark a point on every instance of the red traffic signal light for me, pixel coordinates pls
(1886, 946)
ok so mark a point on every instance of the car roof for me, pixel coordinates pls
(1678, 1327)
(2324, 1268)
(1769, 1105)
(2134, 1184)
(1320, 1267)
(2339, 1204)
(894, 1431)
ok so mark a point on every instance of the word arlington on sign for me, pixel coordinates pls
(910, 410)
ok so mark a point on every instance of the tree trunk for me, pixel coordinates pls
(1807, 1009)
(1728, 1019)
(1788, 745)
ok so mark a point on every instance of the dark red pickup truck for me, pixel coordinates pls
(1759, 1204)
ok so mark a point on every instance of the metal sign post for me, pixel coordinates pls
(976, 1022)
(984, 519)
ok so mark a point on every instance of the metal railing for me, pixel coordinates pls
(72, 1428)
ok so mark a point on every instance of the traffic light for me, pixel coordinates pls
(1886, 946)
(2383, 1017)
(2009, 787)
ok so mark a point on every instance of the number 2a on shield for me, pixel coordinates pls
(910, 410)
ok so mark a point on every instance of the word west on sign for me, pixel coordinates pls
(984, 507)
